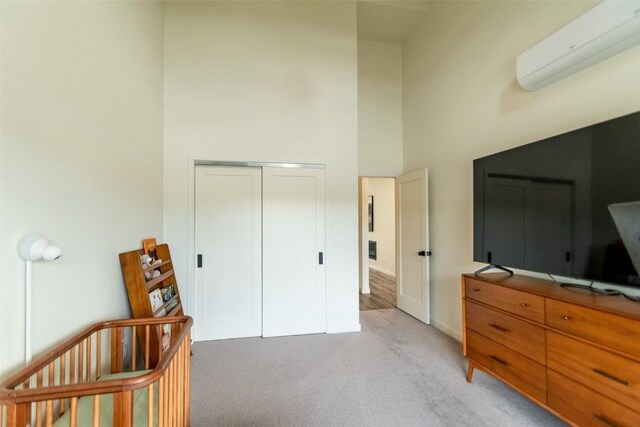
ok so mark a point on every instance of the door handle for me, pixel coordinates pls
(424, 253)
(199, 260)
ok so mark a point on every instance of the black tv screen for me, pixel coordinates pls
(567, 205)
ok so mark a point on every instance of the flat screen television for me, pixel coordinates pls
(568, 205)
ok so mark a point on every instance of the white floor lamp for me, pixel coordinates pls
(33, 247)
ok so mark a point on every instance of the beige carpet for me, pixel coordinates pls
(396, 372)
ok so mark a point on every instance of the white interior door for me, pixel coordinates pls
(412, 210)
(228, 238)
(294, 293)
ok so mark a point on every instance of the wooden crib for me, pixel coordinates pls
(84, 381)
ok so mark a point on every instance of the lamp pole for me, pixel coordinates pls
(27, 314)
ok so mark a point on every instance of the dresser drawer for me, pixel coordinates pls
(519, 371)
(516, 334)
(612, 375)
(521, 303)
(614, 331)
(586, 407)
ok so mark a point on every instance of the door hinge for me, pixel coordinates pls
(320, 258)
(199, 260)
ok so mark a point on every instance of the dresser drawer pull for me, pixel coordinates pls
(475, 290)
(611, 377)
(498, 327)
(606, 421)
(524, 305)
(566, 318)
(497, 359)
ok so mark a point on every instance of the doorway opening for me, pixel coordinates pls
(377, 235)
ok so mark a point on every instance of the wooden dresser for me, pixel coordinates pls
(573, 352)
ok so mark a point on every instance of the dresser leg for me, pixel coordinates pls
(470, 372)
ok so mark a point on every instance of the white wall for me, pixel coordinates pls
(379, 108)
(81, 158)
(461, 101)
(383, 191)
(272, 82)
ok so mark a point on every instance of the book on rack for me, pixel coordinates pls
(155, 297)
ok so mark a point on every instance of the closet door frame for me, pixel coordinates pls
(194, 160)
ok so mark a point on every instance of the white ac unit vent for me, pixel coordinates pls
(603, 31)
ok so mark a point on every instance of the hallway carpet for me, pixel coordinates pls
(396, 372)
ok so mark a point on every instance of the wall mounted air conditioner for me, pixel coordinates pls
(603, 31)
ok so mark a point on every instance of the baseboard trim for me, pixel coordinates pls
(382, 270)
(446, 329)
(344, 327)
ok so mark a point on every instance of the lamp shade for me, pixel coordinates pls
(34, 247)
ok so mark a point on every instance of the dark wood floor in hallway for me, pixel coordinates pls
(383, 292)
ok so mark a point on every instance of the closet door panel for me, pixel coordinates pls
(294, 292)
(228, 240)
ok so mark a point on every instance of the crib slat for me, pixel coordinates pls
(133, 348)
(180, 383)
(96, 410)
(81, 377)
(150, 413)
(160, 331)
(98, 354)
(39, 376)
(52, 371)
(161, 400)
(167, 398)
(174, 390)
(72, 366)
(49, 414)
(185, 394)
(50, 383)
(165, 410)
(127, 408)
(176, 382)
(187, 408)
(170, 397)
(176, 385)
(88, 358)
(146, 347)
(63, 381)
(38, 414)
(117, 409)
(73, 412)
(116, 350)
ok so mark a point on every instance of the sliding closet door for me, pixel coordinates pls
(228, 252)
(294, 294)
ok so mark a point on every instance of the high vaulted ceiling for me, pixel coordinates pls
(389, 21)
